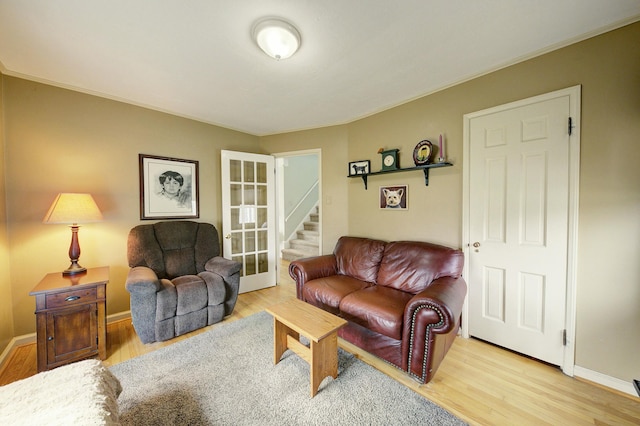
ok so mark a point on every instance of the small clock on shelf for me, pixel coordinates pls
(390, 159)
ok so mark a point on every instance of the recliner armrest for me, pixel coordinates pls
(310, 268)
(222, 266)
(141, 279)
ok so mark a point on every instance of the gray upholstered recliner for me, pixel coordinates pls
(178, 282)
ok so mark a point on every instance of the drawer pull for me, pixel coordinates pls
(72, 298)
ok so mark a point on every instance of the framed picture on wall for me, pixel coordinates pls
(362, 167)
(394, 197)
(168, 188)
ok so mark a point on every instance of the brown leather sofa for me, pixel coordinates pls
(402, 299)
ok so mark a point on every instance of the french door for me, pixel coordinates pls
(248, 217)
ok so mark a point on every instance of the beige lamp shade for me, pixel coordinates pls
(73, 208)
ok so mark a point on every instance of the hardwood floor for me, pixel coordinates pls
(480, 383)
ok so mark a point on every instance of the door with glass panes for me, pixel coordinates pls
(248, 217)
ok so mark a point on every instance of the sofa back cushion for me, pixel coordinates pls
(173, 248)
(412, 265)
(359, 257)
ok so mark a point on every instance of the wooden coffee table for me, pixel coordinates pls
(295, 317)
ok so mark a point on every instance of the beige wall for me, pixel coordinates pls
(333, 143)
(434, 211)
(63, 141)
(608, 68)
(57, 140)
(6, 317)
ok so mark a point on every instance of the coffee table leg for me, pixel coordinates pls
(324, 360)
(280, 333)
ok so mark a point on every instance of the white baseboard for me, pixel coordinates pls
(15, 342)
(26, 339)
(604, 380)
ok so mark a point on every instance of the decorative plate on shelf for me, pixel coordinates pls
(422, 153)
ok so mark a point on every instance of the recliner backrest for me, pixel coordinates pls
(173, 248)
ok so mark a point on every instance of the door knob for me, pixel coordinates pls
(228, 236)
(476, 244)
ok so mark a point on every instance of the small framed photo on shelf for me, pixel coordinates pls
(357, 168)
(394, 197)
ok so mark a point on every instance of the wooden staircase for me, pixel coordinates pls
(306, 242)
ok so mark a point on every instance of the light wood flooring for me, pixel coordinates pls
(478, 382)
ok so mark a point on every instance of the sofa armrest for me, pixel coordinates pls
(142, 280)
(222, 266)
(431, 321)
(446, 294)
(310, 268)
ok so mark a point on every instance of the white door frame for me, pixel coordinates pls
(280, 158)
(574, 186)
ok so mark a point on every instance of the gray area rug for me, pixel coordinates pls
(226, 376)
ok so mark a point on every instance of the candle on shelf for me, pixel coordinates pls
(443, 143)
(441, 151)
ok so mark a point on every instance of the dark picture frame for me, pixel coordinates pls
(169, 188)
(357, 168)
(422, 153)
(394, 197)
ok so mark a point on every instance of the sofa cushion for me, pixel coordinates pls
(191, 321)
(143, 250)
(192, 294)
(326, 293)
(216, 290)
(380, 309)
(177, 241)
(215, 314)
(180, 262)
(359, 257)
(166, 300)
(411, 265)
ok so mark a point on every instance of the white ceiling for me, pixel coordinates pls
(196, 58)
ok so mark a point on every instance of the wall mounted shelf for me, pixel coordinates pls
(424, 168)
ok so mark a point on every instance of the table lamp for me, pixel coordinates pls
(73, 209)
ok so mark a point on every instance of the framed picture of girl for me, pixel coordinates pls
(168, 188)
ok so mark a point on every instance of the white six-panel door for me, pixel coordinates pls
(518, 225)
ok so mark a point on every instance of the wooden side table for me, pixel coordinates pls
(71, 319)
(294, 317)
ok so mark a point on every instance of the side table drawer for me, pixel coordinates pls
(70, 298)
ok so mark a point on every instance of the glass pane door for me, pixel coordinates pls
(248, 217)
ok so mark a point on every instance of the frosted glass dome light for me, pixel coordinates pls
(277, 38)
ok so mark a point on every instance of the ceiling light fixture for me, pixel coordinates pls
(277, 38)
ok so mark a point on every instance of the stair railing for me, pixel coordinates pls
(300, 211)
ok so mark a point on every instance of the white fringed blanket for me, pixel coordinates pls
(83, 393)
